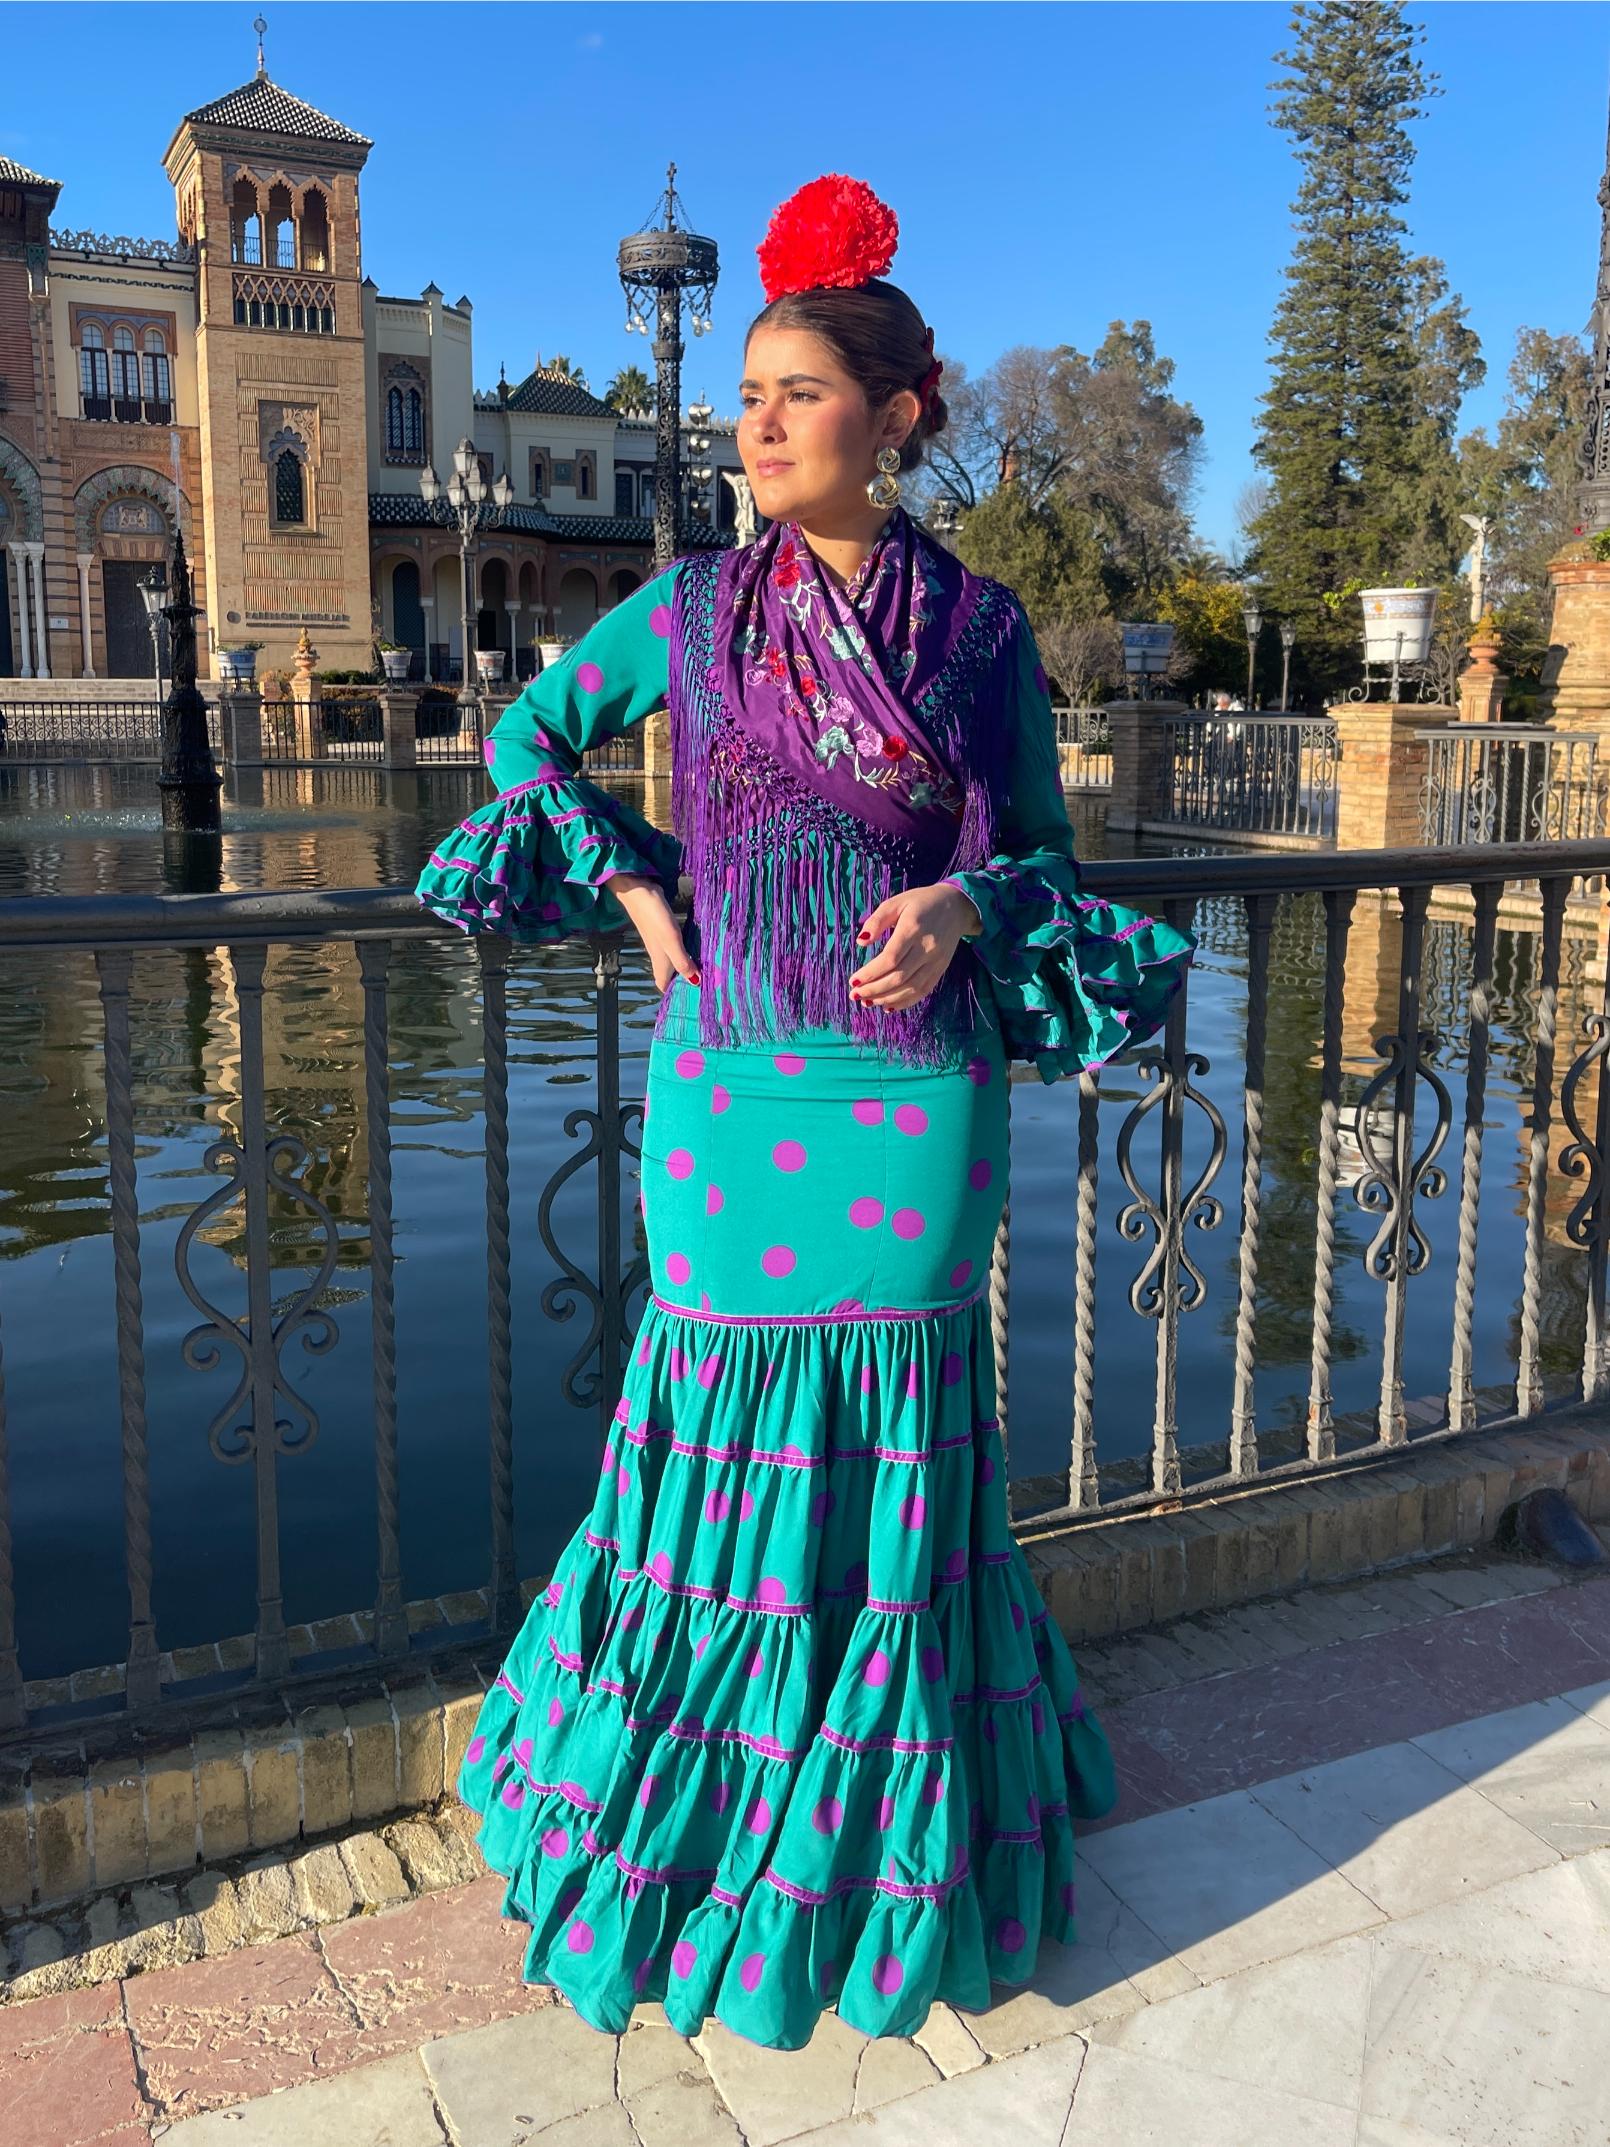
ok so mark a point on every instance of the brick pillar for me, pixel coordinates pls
(1136, 729)
(399, 732)
(1575, 692)
(657, 743)
(240, 710)
(307, 702)
(1383, 771)
(1481, 685)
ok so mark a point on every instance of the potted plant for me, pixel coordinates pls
(237, 663)
(489, 663)
(395, 658)
(551, 647)
(1398, 623)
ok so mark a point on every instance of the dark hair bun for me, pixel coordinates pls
(879, 338)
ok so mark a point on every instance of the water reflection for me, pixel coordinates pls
(84, 831)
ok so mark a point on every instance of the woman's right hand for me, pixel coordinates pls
(654, 921)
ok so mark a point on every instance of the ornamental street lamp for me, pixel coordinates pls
(1253, 619)
(656, 267)
(1288, 641)
(469, 504)
(153, 595)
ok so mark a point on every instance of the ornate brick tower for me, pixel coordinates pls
(267, 192)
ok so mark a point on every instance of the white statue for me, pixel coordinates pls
(746, 523)
(1481, 524)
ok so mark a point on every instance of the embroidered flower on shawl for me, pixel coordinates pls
(895, 747)
(832, 743)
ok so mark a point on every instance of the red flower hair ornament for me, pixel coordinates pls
(833, 233)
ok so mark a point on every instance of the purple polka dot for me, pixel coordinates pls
(757, 1663)
(719, 1099)
(933, 1790)
(911, 1118)
(955, 1565)
(623, 1481)
(690, 1064)
(609, 1459)
(678, 1363)
(476, 1752)
(1010, 1934)
(1017, 1617)
(759, 1820)
(908, 1223)
(567, 1900)
(1033, 1808)
(855, 1575)
(866, 1213)
(986, 1469)
(868, 1112)
(746, 1504)
(771, 1590)
(933, 1665)
(1040, 683)
(978, 1072)
(980, 1174)
(514, 1793)
(679, 1163)
(778, 1260)
(887, 1974)
(1077, 1708)
(556, 1713)
(789, 1155)
(960, 1273)
(826, 1979)
(709, 1371)
(789, 1062)
(678, 1267)
(991, 1732)
(1037, 1718)
(877, 1668)
(828, 1816)
(885, 1814)
(913, 1510)
(714, 1200)
(631, 1618)
(821, 1506)
(699, 1647)
(640, 1974)
(721, 1796)
(1070, 1896)
(683, 1957)
(555, 1841)
(659, 620)
(645, 1795)
(869, 1378)
(950, 1367)
(550, 913)
(589, 678)
(622, 1413)
(659, 1567)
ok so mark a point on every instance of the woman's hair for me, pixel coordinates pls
(879, 338)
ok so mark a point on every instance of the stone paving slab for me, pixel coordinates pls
(384, 2105)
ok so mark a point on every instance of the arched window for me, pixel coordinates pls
(585, 488)
(158, 378)
(125, 375)
(315, 230)
(281, 230)
(394, 422)
(625, 486)
(93, 375)
(290, 491)
(245, 225)
(414, 423)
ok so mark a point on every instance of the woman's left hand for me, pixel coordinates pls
(925, 926)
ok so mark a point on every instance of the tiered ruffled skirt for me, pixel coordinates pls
(790, 1728)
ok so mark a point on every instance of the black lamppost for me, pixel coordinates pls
(153, 595)
(656, 266)
(1253, 619)
(468, 502)
(189, 782)
(1288, 641)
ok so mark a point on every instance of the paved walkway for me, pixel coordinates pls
(1385, 1924)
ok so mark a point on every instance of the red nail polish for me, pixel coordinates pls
(693, 976)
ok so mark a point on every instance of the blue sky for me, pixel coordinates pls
(1054, 166)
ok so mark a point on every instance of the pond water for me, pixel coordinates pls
(81, 831)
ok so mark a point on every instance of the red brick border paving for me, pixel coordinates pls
(99, 2068)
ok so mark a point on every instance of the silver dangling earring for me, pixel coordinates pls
(884, 489)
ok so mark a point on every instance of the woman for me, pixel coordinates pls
(790, 1727)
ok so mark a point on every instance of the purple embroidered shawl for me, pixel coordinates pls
(831, 746)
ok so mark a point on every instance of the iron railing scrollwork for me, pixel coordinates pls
(1269, 775)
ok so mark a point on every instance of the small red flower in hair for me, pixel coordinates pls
(834, 232)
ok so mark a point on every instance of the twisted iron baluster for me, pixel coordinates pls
(1529, 1372)
(13, 1712)
(1243, 1413)
(391, 1618)
(1461, 1373)
(1084, 1482)
(1321, 1425)
(1000, 1268)
(1586, 1157)
(114, 970)
(493, 955)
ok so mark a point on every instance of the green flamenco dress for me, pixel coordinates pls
(790, 1728)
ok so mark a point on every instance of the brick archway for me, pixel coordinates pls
(125, 480)
(22, 481)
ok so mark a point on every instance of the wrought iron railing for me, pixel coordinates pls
(1084, 747)
(87, 730)
(1511, 782)
(1410, 1132)
(1253, 775)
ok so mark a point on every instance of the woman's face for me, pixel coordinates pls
(808, 440)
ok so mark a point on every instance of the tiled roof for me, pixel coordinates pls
(400, 510)
(265, 108)
(553, 395)
(14, 174)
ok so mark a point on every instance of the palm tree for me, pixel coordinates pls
(565, 370)
(630, 392)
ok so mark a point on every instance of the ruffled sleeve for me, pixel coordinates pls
(1075, 980)
(535, 863)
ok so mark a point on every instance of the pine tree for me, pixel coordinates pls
(1341, 435)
